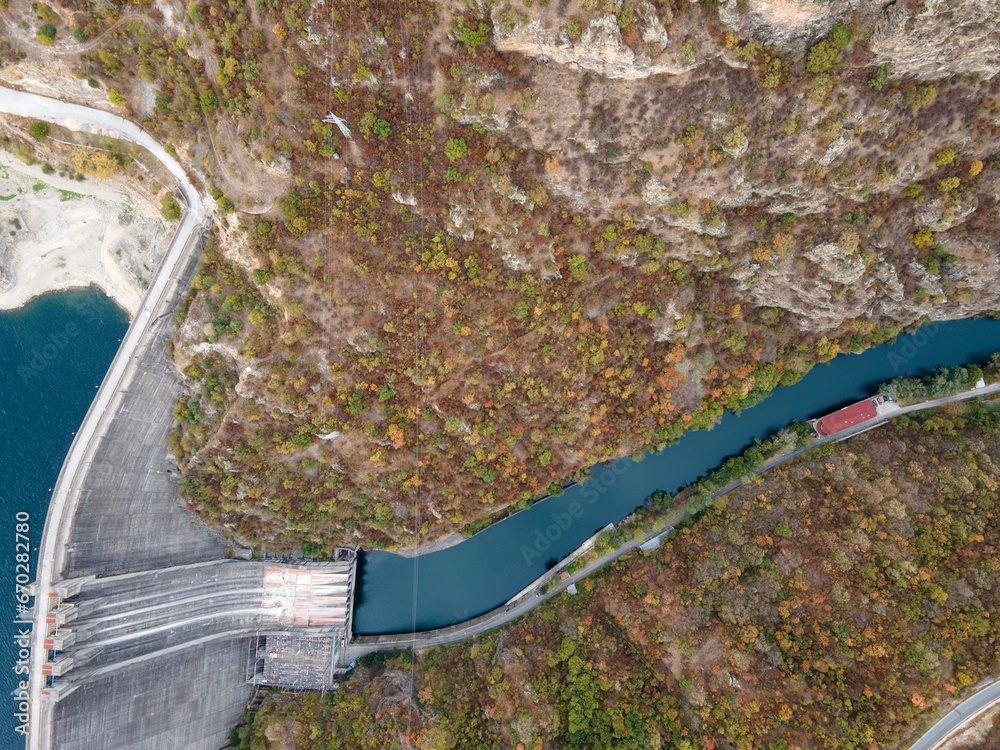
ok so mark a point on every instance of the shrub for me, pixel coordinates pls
(116, 98)
(456, 149)
(949, 184)
(946, 157)
(39, 130)
(170, 208)
(209, 102)
(880, 76)
(46, 33)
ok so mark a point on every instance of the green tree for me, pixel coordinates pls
(578, 267)
(209, 102)
(46, 33)
(39, 130)
(839, 36)
(456, 149)
(382, 129)
(880, 76)
(195, 13)
(44, 12)
(475, 36)
(170, 208)
(945, 157)
(821, 57)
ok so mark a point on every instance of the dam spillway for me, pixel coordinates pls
(299, 614)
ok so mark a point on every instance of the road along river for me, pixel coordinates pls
(399, 594)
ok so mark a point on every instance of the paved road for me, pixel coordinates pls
(501, 615)
(66, 492)
(78, 117)
(967, 710)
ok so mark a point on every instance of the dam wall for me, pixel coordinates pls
(127, 517)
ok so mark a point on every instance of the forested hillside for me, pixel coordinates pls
(558, 232)
(516, 269)
(835, 602)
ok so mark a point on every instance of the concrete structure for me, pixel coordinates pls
(109, 624)
(127, 650)
(296, 661)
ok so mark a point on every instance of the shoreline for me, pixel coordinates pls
(58, 234)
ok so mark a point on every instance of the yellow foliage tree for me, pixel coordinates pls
(93, 162)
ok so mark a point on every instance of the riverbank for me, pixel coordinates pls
(475, 577)
(57, 233)
(644, 526)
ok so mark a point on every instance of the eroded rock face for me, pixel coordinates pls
(945, 38)
(599, 49)
(796, 154)
(789, 25)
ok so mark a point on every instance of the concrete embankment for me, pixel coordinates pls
(127, 519)
(113, 510)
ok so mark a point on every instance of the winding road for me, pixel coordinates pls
(185, 241)
(965, 712)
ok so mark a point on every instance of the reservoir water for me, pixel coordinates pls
(54, 353)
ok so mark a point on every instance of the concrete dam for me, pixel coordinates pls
(145, 635)
(99, 626)
(150, 637)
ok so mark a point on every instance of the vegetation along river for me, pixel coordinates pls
(53, 355)
(485, 571)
